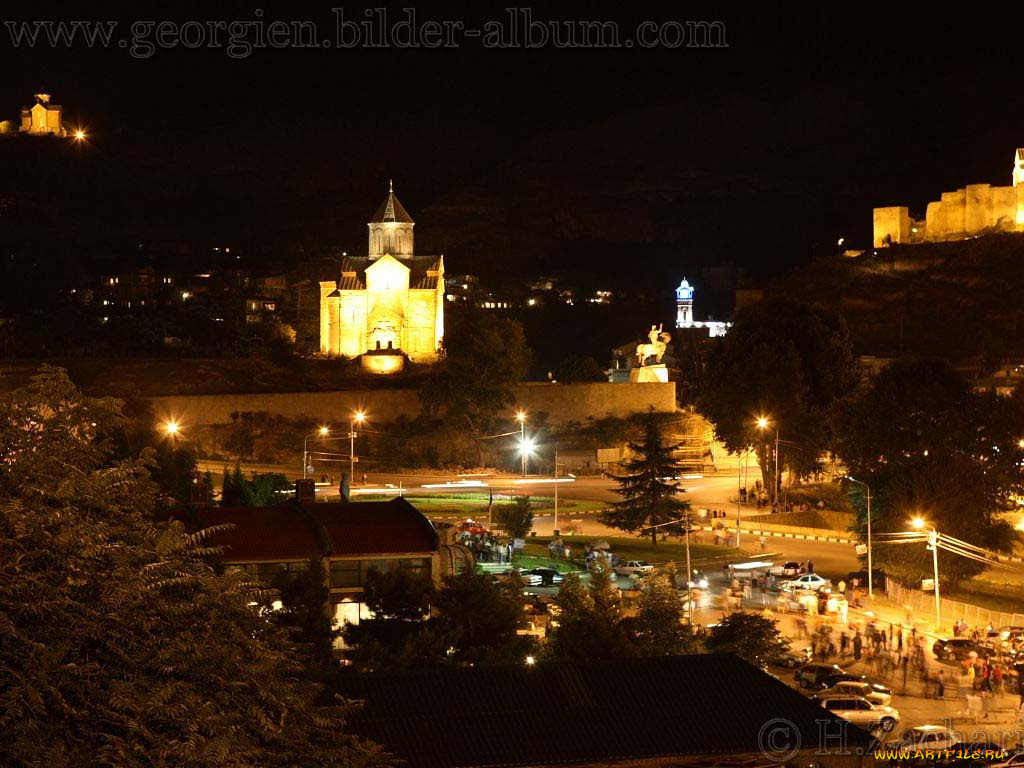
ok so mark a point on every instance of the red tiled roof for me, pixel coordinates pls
(374, 527)
(294, 531)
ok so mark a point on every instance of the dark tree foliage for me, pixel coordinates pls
(786, 361)
(590, 625)
(649, 494)
(303, 596)
(481, 617)
(258, 490)
(929, 446)
(751, 636)
(515, 519)
(121, 645)
(659, 628)
(579, 368)
(485, 357)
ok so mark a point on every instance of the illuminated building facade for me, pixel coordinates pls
(967, 212)
(684, 313)
(43, 117)
(390, 301)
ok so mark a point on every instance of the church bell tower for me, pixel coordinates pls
(390, 229)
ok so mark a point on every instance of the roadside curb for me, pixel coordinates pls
(781, 535)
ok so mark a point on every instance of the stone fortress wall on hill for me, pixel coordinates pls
(561, 402)
(967, 212)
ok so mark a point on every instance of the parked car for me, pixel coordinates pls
(876, 694)
(789, 570)
(1010, 761)
(860, 711)
(633, 568)
(810, 581)
(925, 737)
(548, 576)
(812, 676)
(959, 648)
(792, 657)
(529, 579)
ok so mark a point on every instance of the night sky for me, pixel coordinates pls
(517, 161)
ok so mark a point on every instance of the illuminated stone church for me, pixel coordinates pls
(388, 303)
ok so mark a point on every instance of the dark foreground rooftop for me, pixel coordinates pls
(574, 713)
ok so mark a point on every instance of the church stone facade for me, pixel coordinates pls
(388, 302)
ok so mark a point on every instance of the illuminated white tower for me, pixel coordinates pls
(684, 305)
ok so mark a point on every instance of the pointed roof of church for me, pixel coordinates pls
(391, 209)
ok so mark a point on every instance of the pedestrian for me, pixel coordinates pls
(763, 542)
(857, 646)
(997, 679)
(568, 551)
(940, 685)
(844, 644)
(904, 663)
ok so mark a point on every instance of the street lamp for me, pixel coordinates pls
(172, 428)
(933, 544)
(763, 423)
(521, 418)
(526, 446)
(357, 418)
(871, 577)
(321, 432)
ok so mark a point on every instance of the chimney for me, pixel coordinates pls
(199, 495)
(305, 491)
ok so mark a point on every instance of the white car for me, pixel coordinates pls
(876, 694)
(810, 581)
(633, 568)
(860, 711)
(926, 737)
(1013, 761)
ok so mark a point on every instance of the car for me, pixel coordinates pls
(698, 580)
(1010, 761)
(959, 648)
(933, 737)
(548, 576)
(790, 569)
(876, 694)
(529, 579)
(812, 676)
(633, 568)
(791, 657)
(809, 581)
(860, 711)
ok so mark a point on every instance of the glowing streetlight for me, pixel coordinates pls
(321, 432)
(530, 661)
(357, 418)
(521, 418)
(172, 428)
(763, 422)
(79, 135)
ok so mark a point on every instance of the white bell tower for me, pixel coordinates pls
(684, 305)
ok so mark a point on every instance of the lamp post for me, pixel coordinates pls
(762, 423)
(172, 428)
(871, 576)
(556, 488)
(357, 418)
(526, 447)
(933, 544)
(521, 418)
(322, 432)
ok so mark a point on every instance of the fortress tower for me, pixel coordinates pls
(684, 305)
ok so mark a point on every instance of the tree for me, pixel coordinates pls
(122, 645)
(481, 616)
(785, 361)
(649, 493)
(259, 490)
(516, 519)
(485, 357)
(658, 629)
(929, 446)
(303, 597)
(751, 636)
(579, 368)
(590, 625)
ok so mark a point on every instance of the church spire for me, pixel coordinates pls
(391, 209)
(390, 229)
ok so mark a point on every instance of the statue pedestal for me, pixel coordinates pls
(649, 374)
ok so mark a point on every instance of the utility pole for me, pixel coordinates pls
(556, 487)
